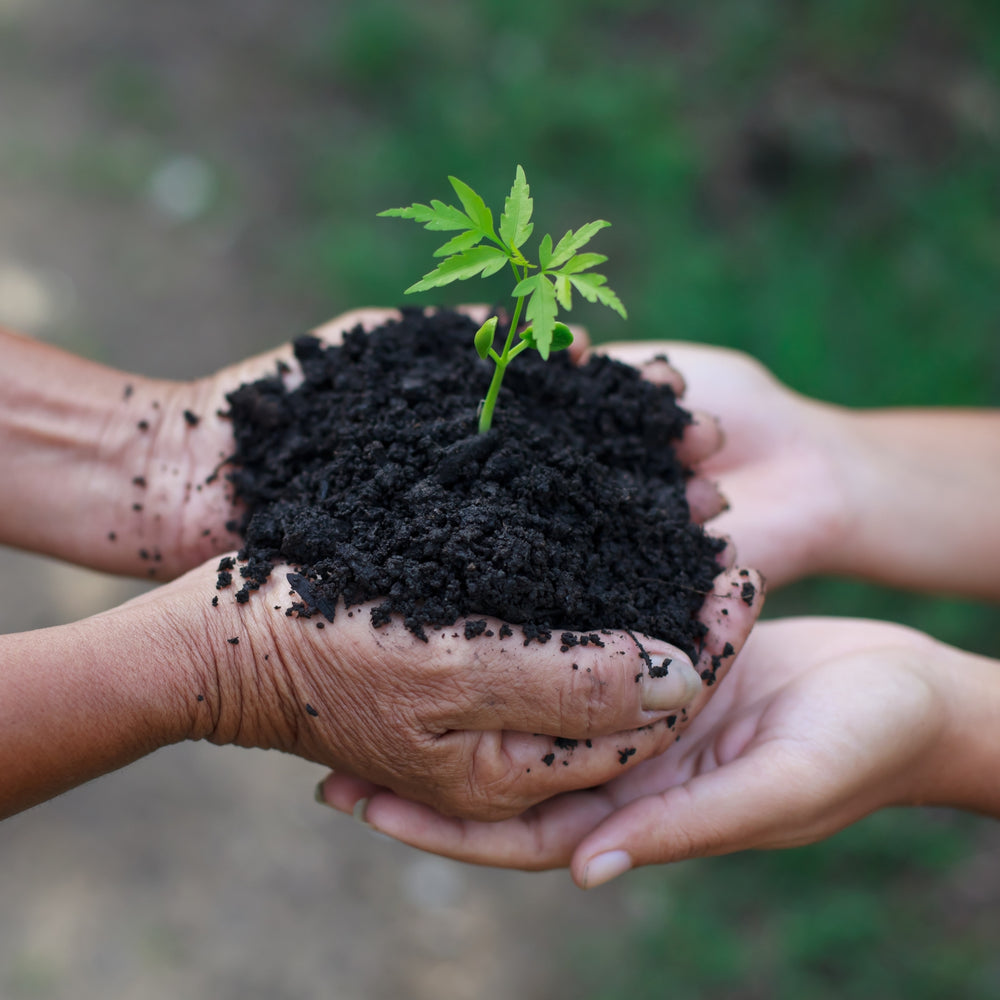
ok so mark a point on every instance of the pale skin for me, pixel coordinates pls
(115, 472)
(822, 721)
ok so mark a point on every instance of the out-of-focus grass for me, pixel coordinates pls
(816, 184)
(868, 914)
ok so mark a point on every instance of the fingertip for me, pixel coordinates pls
(602, 868)
(705, 499)
(343, 792)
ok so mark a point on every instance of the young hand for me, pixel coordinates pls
(821, 722)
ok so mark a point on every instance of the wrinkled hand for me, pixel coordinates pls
(779, 459)
(469, 724)
(171, 443)
(729, 612)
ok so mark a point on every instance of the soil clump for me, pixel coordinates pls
(370, 478)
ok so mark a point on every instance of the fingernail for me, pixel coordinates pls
(359, 810)
(670, 681)
(604, 867)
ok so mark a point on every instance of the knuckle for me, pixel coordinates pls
(596, 704)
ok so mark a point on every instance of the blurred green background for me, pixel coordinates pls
(816, 183)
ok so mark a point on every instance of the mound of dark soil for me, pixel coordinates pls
(371, 479)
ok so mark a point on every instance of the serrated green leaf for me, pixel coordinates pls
(475, 207)
(526, 287)
(545, 252)
(593, 287)
(515, 222)
(582, 262)
(482, 260)
(563, 291)
(436, 216)
(541, 314)
(572, 242)
(562, 337)
(464, 241)
(484, 337)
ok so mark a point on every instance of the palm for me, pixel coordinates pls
(819, 722)
(817, 717)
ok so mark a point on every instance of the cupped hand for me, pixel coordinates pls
(170, 442)
(782, 461)
(821, 722)
(477, 721)
(729, 612)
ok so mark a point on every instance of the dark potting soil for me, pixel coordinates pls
(371, 479)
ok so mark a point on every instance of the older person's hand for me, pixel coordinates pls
(482, 727)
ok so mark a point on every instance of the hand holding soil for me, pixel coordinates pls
(463, 711)
(822, 722)
(473, 718)
(905, 497)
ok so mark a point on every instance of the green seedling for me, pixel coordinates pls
(542, 288)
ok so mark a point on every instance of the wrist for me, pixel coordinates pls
(920, 500)
(110, 466)
(963, 772)
(80, 700)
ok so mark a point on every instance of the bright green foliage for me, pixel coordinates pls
(543, 288)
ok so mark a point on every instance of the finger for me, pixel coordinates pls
(574, 685)
(728, 613)
(700, 440)
(518, 770)
(735, 807)
(650, 359)
(704, 499)
(540, 838)
(543, 767)
(727, 555)
(347, 793)
(333, 330)
(581, 343)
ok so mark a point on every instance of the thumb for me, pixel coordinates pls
(748, 803)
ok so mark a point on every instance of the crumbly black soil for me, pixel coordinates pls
(371, 479)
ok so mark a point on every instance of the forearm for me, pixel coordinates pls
(78, 441)
(922, 489)
(964, 769)
(80, 700)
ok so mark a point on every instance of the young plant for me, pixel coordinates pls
(542, 288)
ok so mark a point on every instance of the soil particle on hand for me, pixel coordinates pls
(371, 479)
(235, 641)
(662, 670)
(475, 628)
(191, 419)
(565, 743)
(623, 755)
(748, 592)
(312, 711)
(548, 758)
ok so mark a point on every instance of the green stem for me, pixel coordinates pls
(490, 402)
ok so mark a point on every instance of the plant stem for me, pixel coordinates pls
(490, 402)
